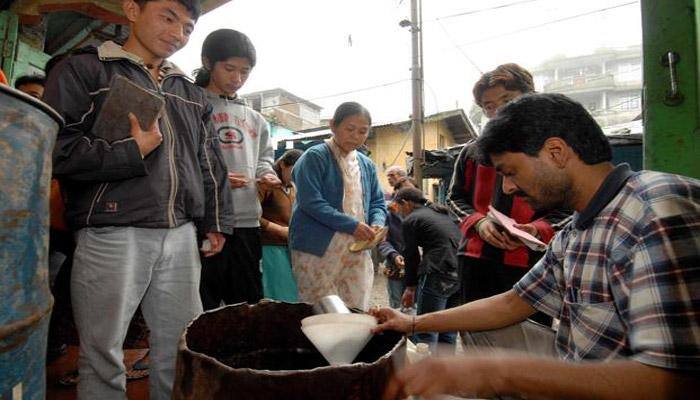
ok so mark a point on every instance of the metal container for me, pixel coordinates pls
(259, 352)
(330, 304)
(28, 131)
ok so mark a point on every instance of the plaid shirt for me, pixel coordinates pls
(624, 276)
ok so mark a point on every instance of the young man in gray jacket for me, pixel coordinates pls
(136, 203)
(235, 275)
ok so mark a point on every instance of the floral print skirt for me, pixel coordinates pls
(338, 271)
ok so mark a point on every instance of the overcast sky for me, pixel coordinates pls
(318, 49)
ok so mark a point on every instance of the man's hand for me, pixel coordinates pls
(489, 232)
(217, 241)
(146, 140)
(363, 232)
(269, 181)
(459, 376)
(237, 180)
(390, 319)
(409, 297)
(399, 261)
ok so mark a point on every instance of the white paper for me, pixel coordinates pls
(508, 222)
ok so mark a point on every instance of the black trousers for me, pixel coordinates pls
(234, 275)
(483, 278)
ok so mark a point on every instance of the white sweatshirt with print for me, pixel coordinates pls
(244, 136)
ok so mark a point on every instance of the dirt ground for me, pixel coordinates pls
(379, 294)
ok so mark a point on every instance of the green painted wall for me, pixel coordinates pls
(671, 131)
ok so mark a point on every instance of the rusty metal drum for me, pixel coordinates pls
(28, 131)
(259, 352)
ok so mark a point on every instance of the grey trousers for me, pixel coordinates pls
(115, 269)
(527, 336)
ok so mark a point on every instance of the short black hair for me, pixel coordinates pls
(28, 79)
(350, 108)
(512, 76)
(523, 125)
(221, 45)
(411, 194)
(193, 6)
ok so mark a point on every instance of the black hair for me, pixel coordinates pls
(416, 196)
(523, 125)
(289, 158)
(221, 45)
(28, 79)
(193, 6)
(348, 109)
(512, 76)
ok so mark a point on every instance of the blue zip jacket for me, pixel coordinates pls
(318, 211)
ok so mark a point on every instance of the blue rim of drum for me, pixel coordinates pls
(35, 102)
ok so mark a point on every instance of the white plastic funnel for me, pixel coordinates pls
(339, 337)
(339, 318)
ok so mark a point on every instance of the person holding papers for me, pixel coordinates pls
(491, 259)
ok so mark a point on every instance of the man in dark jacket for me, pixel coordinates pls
(136, 203)
(391, 247)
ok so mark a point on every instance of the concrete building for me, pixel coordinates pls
(285, 109)
(608, 82)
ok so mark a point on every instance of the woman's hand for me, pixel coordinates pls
(363, 232)
(278, 231)
(390, 319)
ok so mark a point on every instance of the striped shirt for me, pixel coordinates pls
(624, 276)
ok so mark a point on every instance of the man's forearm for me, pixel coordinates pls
(494, 312)
(532, 377)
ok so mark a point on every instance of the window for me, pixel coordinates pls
(627, 102)
(309, 114)
(629, 71)
(271, 101)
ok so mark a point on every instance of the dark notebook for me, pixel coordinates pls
(126, 97)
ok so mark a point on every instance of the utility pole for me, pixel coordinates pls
(417, 90)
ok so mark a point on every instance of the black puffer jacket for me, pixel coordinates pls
(103, 184)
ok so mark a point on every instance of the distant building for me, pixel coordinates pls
(608, 82)
(285, 109)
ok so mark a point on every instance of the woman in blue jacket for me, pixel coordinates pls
(339, 201)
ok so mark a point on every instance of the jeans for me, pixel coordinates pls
(528, 337)
(395, 287)
(436, 292)
(115, 269)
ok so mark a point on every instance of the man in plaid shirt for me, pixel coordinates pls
(623, 277)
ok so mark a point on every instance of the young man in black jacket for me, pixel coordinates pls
(136, 203)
